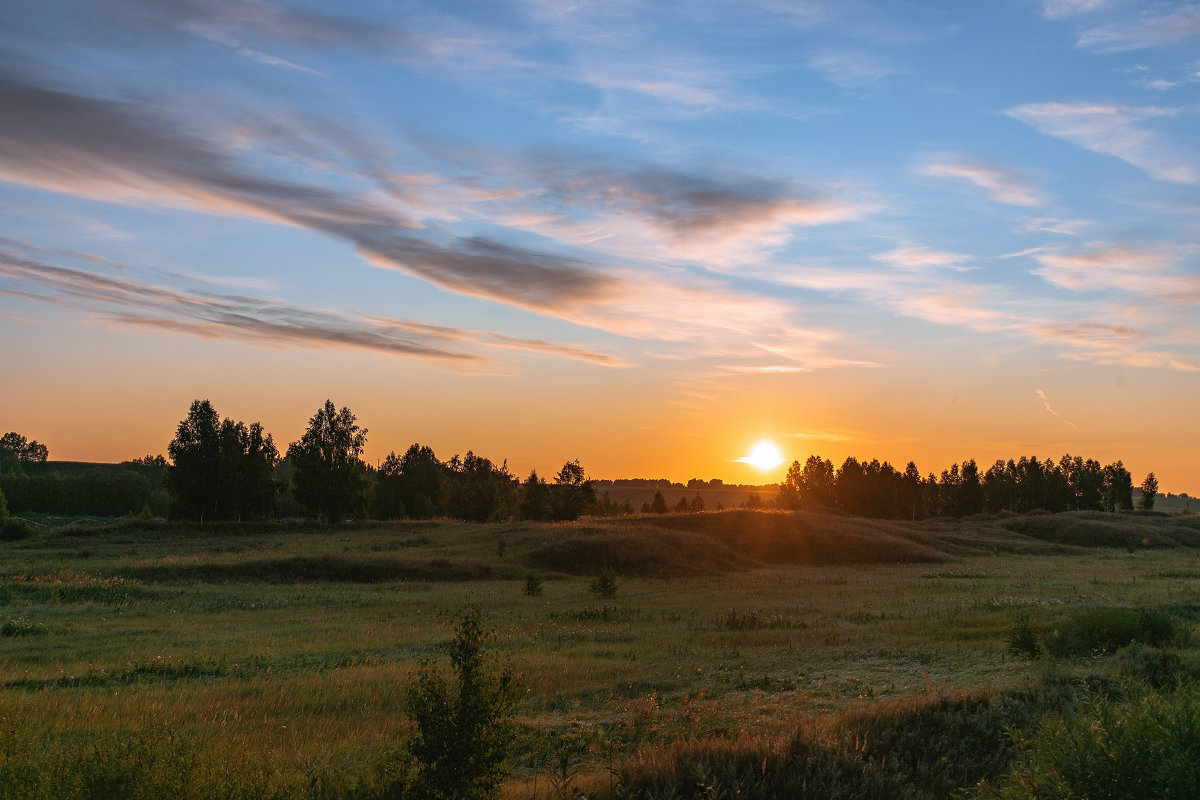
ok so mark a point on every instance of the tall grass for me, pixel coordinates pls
(1142, 743)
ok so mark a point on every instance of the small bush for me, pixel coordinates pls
(17, 626)
(1024, 641)
(463, 730)
(1102, 631)
(604, 585)
(533, 586)
(13, 529)
(1154, 667)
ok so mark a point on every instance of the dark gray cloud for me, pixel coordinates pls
(683, 202)
(224, 316)
(123, 151)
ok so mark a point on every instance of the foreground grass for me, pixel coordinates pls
(741, 650)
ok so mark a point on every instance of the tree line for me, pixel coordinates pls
(874, 489)
(221, 469)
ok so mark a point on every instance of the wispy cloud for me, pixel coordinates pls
(265, 322)
(1106, 343)
(848, 436)
(1061, 9)
(1120, 131)
(120, 152)
(1001, 185)
(912, 257)
(713, 219)
(1102, 267)
(852, 69)
(1046, 403)
(1147, 30)
(1064, 227)
(123, 152)
(235, 23)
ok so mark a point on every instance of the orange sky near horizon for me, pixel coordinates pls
(619, 423)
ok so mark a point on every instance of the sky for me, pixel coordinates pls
(644, 235)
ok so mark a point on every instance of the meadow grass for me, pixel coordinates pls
(815, 643)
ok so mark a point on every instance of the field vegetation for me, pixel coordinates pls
(733, 654)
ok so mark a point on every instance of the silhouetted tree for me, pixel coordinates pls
(573, 492)
(792, 488)
(697, 504)
(817, 484)
(220, 469)
(16, 451)
(1149, 493)
(910, 491)
(659, 504)
(423, 482)
(970, 490)
(1118, 488)
(535, 498)
(480, 491)
(850, 488)
(194, 477)
(329, 477)
(1087, 484)
(248, 460)
(387, 501)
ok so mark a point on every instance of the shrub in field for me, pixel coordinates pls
(1142, 745)
(463, 728)
(1102, 631)
(533, 585)
(1023, 640)
(12, 530)
(18, 626)
(604, 584)
(1150, 665)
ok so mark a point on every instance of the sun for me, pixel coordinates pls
(764, 456)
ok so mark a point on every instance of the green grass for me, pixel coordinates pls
(277, 657)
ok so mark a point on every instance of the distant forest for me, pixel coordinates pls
(219, 469)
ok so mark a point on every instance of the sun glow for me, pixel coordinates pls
(764, 456)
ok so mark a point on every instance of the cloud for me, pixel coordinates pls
(1142, 32)
(1046, 403)
(1001, 185)
(121, 152)
(662, 214)
(847, 436)
(1106, 343)
(1064, 227)
(1102, 267)
(1061, 9)
(265, 322)
(1118, 131)
(234, 23)
(852, 69)
(918, 258)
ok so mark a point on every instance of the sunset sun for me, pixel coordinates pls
(764, 456)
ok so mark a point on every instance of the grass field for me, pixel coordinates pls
(277, 656)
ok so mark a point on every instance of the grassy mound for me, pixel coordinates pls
(693, 544)
(1099, 529)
